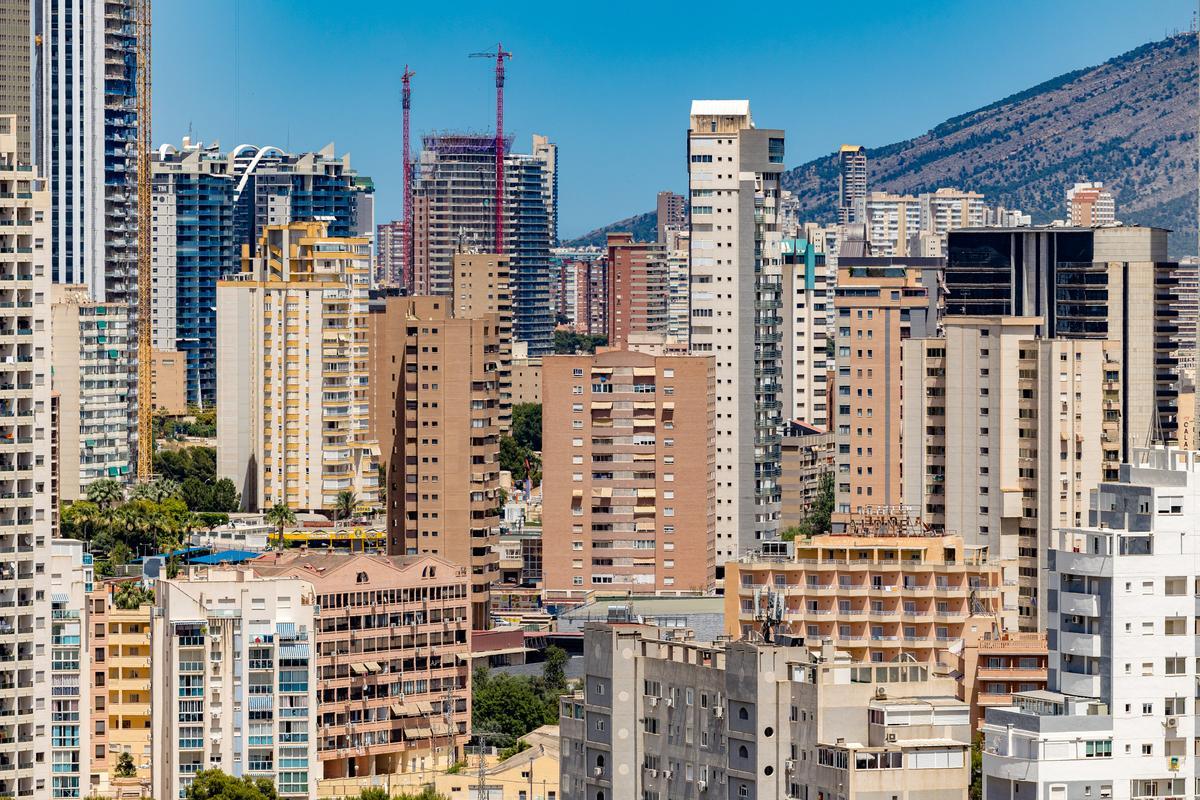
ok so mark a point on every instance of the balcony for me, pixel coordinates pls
(1084, 605)
(1078, 684)
(1079, 644)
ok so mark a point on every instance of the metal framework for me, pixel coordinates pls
(500, 55)
(406, 241)
(144, 149)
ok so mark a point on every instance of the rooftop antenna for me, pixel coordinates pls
(768, 612)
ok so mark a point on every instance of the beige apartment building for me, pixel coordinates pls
(993, 665)
(881, 597)
(1013, 431)
(293, 356)
(392, 641)
(119, 640)
(481, 285)
(437, 411)
(736, 300)
(234, 684)
(28, 506)
(808, 459)
(168, 371)
(526, 380)
(628, 467)
(93, 377)
(891, 220)
(879, 302)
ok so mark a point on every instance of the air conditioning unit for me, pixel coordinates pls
(702, 786)
(891, 737)
(598, 771)
(668, 774)
(789, 765)
(670, 702)
(718, 711)
(1172, 722)
(652, 772)
(652, 701)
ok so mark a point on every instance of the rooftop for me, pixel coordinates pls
(720, 108)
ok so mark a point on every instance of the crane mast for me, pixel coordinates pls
(406, 242)
(500, 55)
(144, 369)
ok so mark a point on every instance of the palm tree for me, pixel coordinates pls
(345, 504)
(155, 491)
(105, 492)
(280, 516)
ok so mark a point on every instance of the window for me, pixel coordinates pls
(1101, 748)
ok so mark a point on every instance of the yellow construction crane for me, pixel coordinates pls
(145, 428)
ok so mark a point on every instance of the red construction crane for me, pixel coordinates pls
(499, 55)
(406, 242)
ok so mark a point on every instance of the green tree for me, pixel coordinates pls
(373, 793)
(223, 497)
(156, 491)
(104, 492)
(119, 554)
(82, 520)
(569, 342)
(508, 752)
(514, 457)
(554, 671)
(132, 595)
(125, 767)
(345, 504)
(213, 784)
(975, 792)
(280, 516)
(527, 425)
(509, 704)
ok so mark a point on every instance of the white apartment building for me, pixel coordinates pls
(94, 377)
(27, 499)
(1119, 719)
(948, 209)
(234, 681)
(1090, 205)
(733, 177)
(807, 309)
(891, 220)
(679, 279)
(293, 356)
(70, 668)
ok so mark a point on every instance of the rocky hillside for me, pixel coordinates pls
(1130, 122)
(644, 228)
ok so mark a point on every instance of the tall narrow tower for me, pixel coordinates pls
(500, 55)
(406, 234)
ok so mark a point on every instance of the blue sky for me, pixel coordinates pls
(611, 82)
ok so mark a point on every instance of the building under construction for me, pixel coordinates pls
(454, 190)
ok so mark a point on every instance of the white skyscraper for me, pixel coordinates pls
(736, 291)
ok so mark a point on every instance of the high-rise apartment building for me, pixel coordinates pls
(29, 504)
(453, 193)
(628, 473)
(1090, 205)
(1008, 433)
(436, 410)
(1110, 283)
(70, 667)
(879, 302)
(118, 640)
(639, 289)
(807, 310)
(948, 209)
(807, 462)
(483, 288)
(92, 374)
(880, 597)
(17, 60)
(402, 703)
(660, 716)
(234, 681)
(168, 372)
(679, 279)
(1119, 718)
(390, 259)
(293, 356)
(852, 181)
(194, 244)
(733, 179)
(671, 214)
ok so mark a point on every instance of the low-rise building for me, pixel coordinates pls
(992, 665)
(879, 597)
(662, 718)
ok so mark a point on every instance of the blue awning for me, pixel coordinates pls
(59, 597)
(293, 651)
(285, 629)
(227, 557)
(261, 702)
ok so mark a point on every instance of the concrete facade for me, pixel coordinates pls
(639, 289)
(807, 314)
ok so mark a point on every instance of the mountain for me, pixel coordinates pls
(1130, 122)
(643, 226)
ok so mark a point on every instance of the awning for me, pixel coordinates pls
(602, 370)
(358, 669)
(425, 706)
(59, 597)
(260, 702)
(461, 658)
(642, 372)
(647, 493)
(669, 405)
(440, 728)
(577, 493)
(293, 651)
(418, 732)
(399, 710)
(601, 406)
(644, 456)
(373, 667)
(602, 491)
(643, 406)
(285, 629)
(644, 423)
